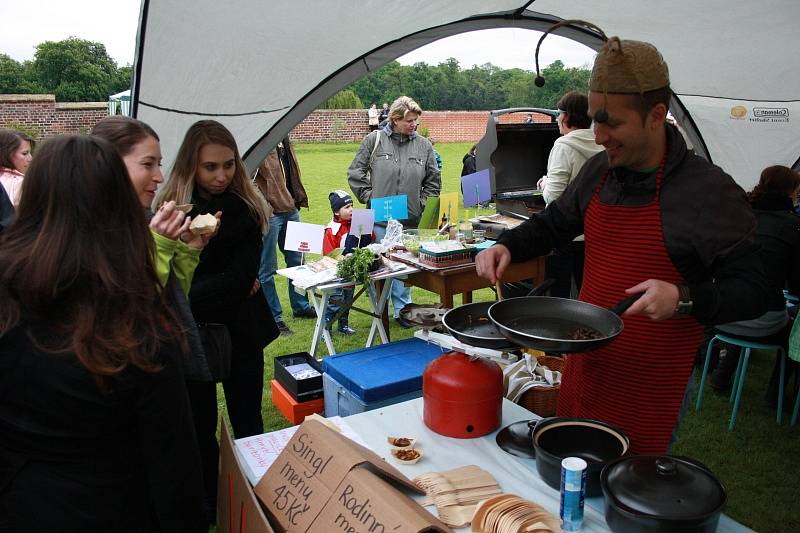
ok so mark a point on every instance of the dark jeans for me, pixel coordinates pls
(243, 391)
(339, 296)
(273, 241)
(564, 265)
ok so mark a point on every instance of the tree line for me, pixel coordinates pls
(74, 70)
(446, 86)
(77, 70)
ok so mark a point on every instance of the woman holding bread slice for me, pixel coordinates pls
(209, 174)
(177, 248)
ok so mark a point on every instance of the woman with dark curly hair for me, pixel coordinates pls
(773, 200)
(95, 428)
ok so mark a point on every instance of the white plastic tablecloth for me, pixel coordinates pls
(515, 475)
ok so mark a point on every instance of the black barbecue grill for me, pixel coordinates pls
(516, 156)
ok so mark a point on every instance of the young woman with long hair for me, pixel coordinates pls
(95, 428)
(177, 250)
(209, 174)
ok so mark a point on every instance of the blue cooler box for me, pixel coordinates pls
(370, 378)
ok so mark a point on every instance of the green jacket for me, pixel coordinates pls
(177, 257)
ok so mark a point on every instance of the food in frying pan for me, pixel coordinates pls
(585, 334)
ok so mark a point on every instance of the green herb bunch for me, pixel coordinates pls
(356, 265)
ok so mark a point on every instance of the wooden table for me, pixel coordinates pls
(463, 279)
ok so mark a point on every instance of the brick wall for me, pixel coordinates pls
(350, 125)
(41, 113)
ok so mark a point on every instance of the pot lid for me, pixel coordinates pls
(663, 486)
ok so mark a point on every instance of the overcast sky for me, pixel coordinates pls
(114, 23)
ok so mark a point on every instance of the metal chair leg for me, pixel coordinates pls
(739, 385)
(705, 373)
(737, 375)
(782, 355)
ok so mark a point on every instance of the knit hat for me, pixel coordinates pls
(628, 67)
(339, 199)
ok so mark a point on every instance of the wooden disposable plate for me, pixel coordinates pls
(479, 518)
(393, 443)
(510, 513)
(408, 461)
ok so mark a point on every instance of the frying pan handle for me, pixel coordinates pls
(542, 287)
(623, 305)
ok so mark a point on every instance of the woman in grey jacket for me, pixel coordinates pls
(392, 161)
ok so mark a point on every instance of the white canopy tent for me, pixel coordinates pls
(261, 67)
(123, 99)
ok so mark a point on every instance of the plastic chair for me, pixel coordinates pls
(741, 371)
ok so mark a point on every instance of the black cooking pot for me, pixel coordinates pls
(659, 493)
(595, 442)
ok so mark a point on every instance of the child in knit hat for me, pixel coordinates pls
(337, 235)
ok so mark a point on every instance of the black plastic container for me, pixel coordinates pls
(302, 390)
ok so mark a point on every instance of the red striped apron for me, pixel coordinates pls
(637, 382)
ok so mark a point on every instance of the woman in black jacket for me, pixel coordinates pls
(95, 429)
(778, 234)
(209, 173)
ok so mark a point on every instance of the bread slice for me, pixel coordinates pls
(204, 224)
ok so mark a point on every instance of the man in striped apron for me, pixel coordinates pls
(658, 220)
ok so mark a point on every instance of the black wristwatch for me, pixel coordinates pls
(684, 306)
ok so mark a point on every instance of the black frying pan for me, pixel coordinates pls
(547, 324)
(470, 323)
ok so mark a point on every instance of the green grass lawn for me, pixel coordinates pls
(759, 461)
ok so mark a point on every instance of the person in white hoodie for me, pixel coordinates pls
(569, 153)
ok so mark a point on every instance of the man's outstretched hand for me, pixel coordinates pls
(492, 262)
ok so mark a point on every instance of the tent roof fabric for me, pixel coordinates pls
(261, 67)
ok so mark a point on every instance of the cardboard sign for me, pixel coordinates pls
(428, 219)
(476, 187)
(310, 481)
(237, 507)
(362, 502)
(390, 207)
(448, 205)
(362, 222)
(257, 453)
(302, 237)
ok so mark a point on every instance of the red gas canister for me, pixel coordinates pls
(462, 395)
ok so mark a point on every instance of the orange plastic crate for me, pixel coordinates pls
(290, 408)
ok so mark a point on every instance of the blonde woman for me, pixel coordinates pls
(391, 161)
(209, 173)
